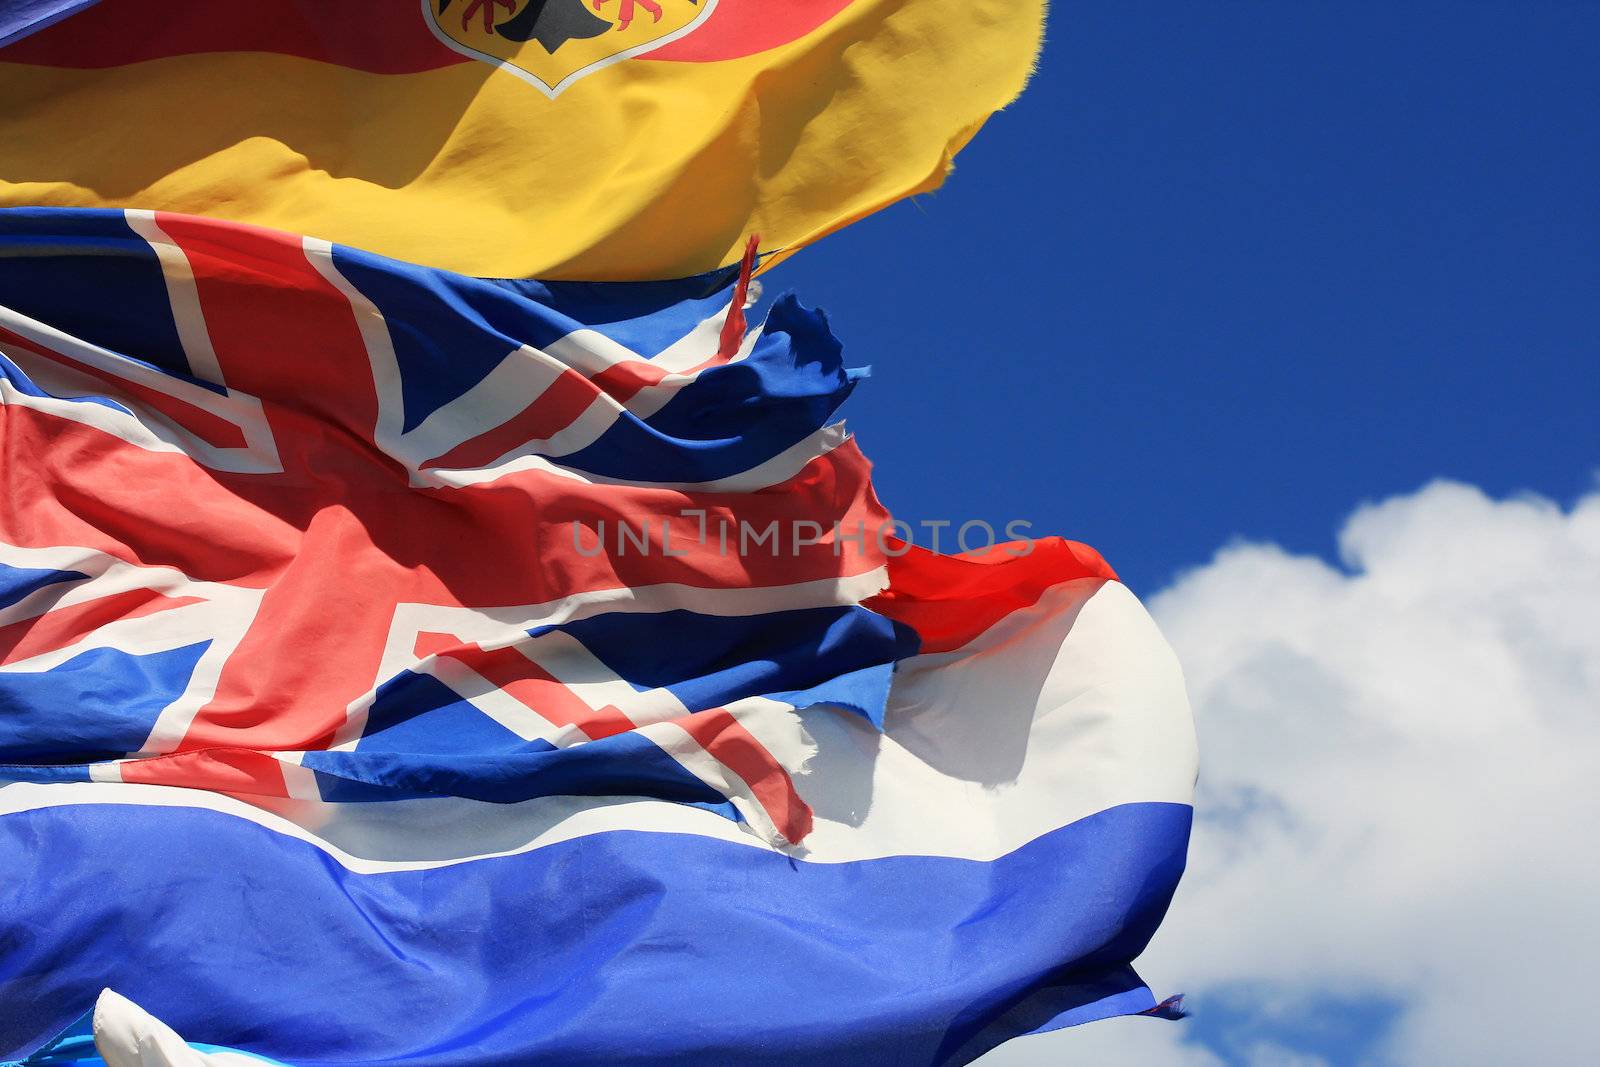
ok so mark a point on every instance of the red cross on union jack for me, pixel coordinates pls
(277, 501)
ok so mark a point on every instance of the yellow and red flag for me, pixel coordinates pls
(600, 139)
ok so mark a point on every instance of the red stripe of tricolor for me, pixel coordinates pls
(950, 600)
(356, 36)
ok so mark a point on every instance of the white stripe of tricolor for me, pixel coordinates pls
(971, 765)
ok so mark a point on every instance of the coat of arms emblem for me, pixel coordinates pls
(552, 43)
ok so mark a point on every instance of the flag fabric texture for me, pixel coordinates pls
(588, 139)
(402, 667)
(118, 1033)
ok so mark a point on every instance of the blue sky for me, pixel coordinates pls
(1258, 274)
(1230, 269)
(1226, 273)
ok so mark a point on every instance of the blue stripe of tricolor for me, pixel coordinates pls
(584, 951)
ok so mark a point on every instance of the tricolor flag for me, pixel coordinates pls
(399, 667)
(585, 139)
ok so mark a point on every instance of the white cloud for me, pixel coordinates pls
(1400, 794)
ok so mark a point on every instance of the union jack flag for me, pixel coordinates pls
(287, 520)
(379, 684)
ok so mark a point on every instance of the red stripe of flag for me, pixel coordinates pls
(65, 626)
(90, 489)
(530, 684)
(730, 744)
(552, 411)
(622, 381)
(239, 773)
(212, 429)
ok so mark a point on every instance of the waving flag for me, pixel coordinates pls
(401, 667)
(587, 139)
(118, 1033)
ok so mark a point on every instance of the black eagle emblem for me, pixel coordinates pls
(552, 23)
